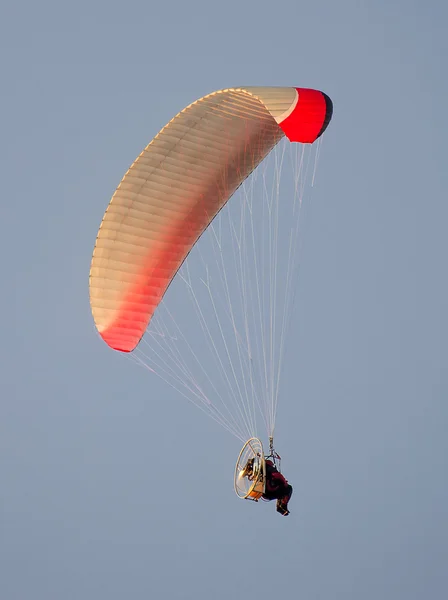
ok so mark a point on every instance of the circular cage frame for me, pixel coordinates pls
(250, 471)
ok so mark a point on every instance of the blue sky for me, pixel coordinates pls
(112, 486)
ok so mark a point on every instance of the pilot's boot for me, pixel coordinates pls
(282, 507)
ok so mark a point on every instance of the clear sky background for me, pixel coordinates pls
(111, 485)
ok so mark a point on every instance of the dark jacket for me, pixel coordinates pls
(274, 480)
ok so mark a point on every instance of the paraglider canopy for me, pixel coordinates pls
(175, 188)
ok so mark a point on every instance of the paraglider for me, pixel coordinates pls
(263, 476)
(167, 199)
(259, 477)
(277, 488)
